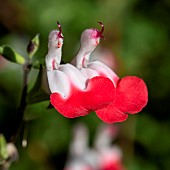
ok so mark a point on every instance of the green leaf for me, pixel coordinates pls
(11, 55)
(33, 46)
(36, 110)
(38, 96)
(3, 149)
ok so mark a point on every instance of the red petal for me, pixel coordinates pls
(69, 107)
(99, 93)
(111, 114)
(131, 94)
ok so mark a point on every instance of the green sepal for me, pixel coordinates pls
(3, 149)
(11, 55)
(33, 46)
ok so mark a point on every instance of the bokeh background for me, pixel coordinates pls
(137, 34)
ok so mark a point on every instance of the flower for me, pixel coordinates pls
(130, 92)
(91, 85)
(73, 93)
(55, 42)
(104, 154)
(110, 154)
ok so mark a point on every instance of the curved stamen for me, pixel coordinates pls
(102, 30)
(60, 33)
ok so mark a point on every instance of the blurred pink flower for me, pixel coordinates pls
(106, 56)
(111, 159)
(102, 156)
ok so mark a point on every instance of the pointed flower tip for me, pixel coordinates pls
(58, 23)
(33, 45)
(37, 35)
(60, 30)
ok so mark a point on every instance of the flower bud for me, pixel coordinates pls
(33, 46)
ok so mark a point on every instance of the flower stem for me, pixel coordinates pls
(23, 103)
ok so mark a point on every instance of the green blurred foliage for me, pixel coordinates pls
(138, 33)
(3, 149)
(11, 55)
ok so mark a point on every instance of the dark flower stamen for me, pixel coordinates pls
(60, 33)
(102, 30)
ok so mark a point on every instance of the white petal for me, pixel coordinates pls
(89, 73)
(74, 75)
(59, 82)
(104, 70)
(54, 55)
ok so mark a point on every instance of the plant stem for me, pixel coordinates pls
(23, 103)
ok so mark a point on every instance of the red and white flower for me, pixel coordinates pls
(91, 86)
(73, 93)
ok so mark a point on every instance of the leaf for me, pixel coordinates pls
(33, 46)
(36, 110)
(11, 55)
(38, 96)
(3, 149)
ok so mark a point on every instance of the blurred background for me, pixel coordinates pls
(137, 41)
